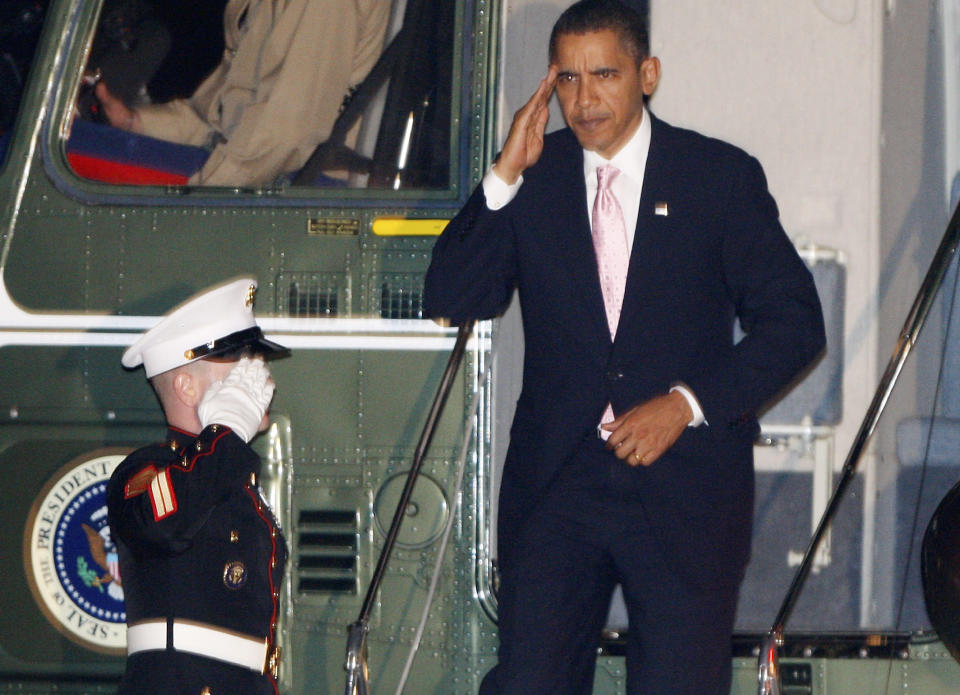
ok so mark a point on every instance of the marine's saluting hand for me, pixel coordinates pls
(525, 140)
(241, 400)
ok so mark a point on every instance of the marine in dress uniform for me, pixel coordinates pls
(201, 554)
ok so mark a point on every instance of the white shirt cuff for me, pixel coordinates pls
(698, 418)
(497, 191)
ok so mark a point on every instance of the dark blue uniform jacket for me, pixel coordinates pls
(196, 542)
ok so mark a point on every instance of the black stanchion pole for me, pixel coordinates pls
(356, 659)
(769, 672)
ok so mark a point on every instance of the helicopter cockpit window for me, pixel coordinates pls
(341, 95)
(20, 24)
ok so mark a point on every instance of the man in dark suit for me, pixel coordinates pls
(642, 327)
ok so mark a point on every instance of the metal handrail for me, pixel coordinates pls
(768, 671)
(355, 663)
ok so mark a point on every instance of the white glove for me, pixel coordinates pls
(240, 400)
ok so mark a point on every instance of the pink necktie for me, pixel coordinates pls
(610, 241)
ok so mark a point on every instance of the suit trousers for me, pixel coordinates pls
(586, 534)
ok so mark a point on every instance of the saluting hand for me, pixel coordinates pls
(241, 400)
(525, 139)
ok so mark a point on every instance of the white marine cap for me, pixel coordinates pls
(216, 322)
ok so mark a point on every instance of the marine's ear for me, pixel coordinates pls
(186, 388)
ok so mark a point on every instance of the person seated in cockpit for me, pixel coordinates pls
(286, 70)
(130, 44)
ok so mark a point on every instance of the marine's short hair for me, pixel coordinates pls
(601, 15)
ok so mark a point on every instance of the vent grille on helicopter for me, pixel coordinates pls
(401, 296)
(311, 295)
(327, 542)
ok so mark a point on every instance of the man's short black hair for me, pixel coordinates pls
(600, 15)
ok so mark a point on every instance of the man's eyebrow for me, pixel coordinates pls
(597, 71)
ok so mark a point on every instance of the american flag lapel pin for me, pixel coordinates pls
(661, 209)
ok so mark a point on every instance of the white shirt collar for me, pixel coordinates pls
(631, 160)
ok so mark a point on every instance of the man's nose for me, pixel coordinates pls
(586, 94)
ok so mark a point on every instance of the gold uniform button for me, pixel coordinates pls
(234, 537)
(273, 563)
(253, 479)
(199, 445)
(206, 690)
(234, 575)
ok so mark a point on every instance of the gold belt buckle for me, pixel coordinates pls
(272, 666)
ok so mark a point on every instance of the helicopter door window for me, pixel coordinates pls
(308, 96)
(401, 112)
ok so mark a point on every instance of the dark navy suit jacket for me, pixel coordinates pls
(718, 253)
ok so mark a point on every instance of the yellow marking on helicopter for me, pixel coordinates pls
(401, 226)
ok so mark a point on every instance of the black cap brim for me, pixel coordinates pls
(249, 340)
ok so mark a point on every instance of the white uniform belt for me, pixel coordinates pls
(202, 639)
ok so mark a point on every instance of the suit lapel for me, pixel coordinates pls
(656, 178)
(576, 243)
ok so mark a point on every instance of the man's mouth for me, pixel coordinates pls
(592, 123)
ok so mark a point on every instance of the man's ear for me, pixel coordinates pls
(186, 388)
(649, 74)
